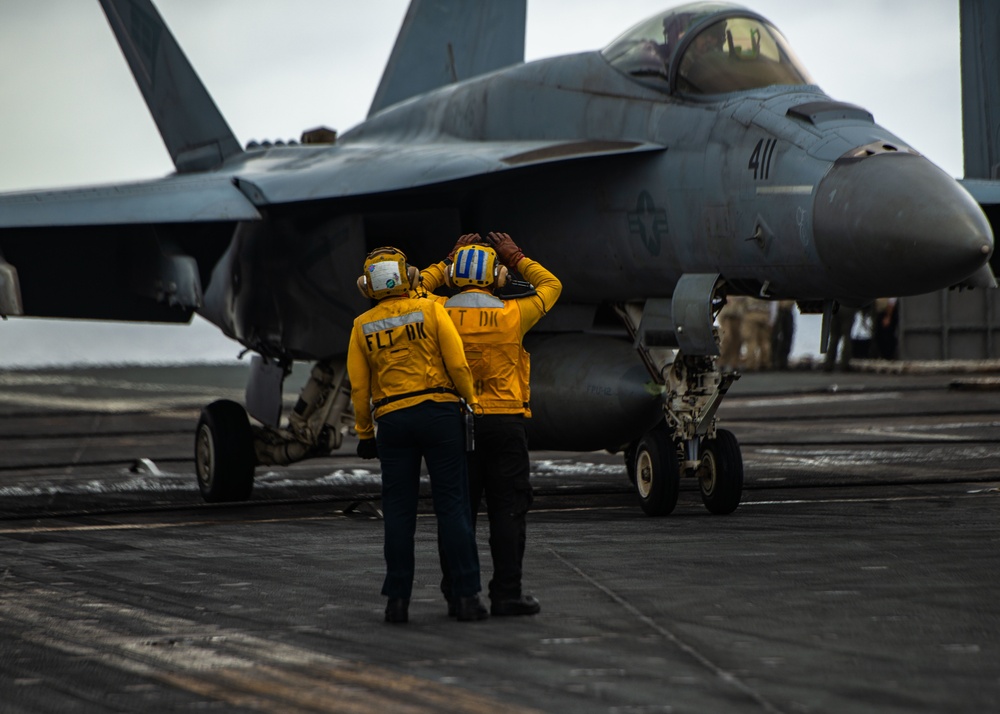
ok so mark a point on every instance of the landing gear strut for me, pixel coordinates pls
(687, 443)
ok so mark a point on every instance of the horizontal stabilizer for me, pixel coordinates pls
(193, 130)
(441, 43)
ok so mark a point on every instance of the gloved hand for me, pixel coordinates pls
(467, 239)
(507, 251)
(367, 449)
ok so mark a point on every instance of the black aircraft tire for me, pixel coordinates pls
(657, 474)
(720, 474)
(223, 452)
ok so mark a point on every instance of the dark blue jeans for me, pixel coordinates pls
(432, 431)
(500, 469)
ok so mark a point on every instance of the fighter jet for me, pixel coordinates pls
(690, 160)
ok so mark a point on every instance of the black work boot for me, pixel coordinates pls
(397, 610)
(469, 609)
(524, 605)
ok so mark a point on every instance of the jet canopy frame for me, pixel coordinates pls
(706, 48)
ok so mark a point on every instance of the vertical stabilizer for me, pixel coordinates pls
(193, 130)
(446, 41)
(980, 27)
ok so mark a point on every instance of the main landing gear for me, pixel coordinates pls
(228, 447)
(687, 442)
(223, 452)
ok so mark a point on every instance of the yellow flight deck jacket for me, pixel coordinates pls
(402, 352)
(492, 330)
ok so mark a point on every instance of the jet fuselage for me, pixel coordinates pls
(781, 191)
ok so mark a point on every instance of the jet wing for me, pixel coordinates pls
(174, 199)
(366, 168)
(374, 169)
(127, 251)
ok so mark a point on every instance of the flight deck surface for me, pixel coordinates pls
(859, 573)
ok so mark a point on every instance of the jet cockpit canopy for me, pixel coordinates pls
(706, 48)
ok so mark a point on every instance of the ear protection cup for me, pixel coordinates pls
(412, 276)
(502, 275)
(363, 286)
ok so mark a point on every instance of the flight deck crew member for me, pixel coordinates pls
(492, 330)
(782, 332)
(840, 332)
(755, 329)
(405, 360)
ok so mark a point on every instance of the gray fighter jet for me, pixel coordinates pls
(690, 160)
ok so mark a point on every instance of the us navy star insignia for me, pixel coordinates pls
(648, 222)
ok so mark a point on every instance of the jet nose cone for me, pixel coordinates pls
(895, 224)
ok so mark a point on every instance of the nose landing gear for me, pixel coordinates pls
(657, 477)
(720, 473)
(687, 442)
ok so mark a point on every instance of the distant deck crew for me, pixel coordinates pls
(492, 330)
(841, 324)
(886, 327)
(782, 332)
(731, 333)
(408, 370)
(755, 331)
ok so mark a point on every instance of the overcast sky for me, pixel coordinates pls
(70, 113)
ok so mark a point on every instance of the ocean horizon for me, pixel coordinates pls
(28, 343)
